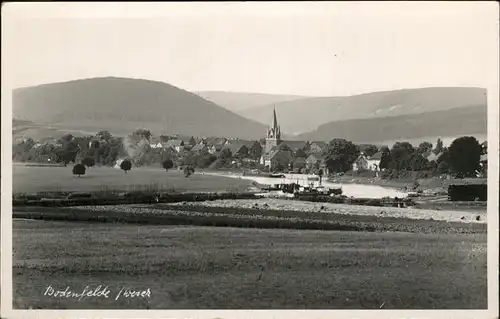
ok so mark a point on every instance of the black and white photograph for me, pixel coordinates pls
(250, 156)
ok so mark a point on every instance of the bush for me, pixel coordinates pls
(88, 161)
(79, 169)
(126, 165)
(167, 164)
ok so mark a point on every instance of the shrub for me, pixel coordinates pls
(167, 164)
(79, 169)
(126, 165)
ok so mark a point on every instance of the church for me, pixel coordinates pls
(272, 154)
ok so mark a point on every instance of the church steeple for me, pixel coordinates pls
(275, 121)
(274, 131)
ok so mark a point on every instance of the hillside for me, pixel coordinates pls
(305, 115)
(461, 121)
(122, 105)
(239, 102)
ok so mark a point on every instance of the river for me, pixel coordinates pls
(354, 190)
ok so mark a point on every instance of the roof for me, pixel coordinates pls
(198, 147)
(314, 157)
(376, 156)
(433, 157)
(279, 152)
(296, 145)
(185, 138)
(321, 144)
(300, 160)
(173, 143)
(215, 140)
(155, 140)
(235, 147)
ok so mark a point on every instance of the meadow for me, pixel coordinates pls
(193, 267)
(34, 179)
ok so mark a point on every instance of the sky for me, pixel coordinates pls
(313, 49)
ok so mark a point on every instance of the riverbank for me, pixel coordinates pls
(429, 185)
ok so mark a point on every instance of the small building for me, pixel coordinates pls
(317, 147)
(199, 148)
(295, 146)
(214, 141)
(176, 144)
(298, 164)
(367, 163)
(315, 161)
(238, 149)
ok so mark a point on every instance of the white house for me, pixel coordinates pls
(367, 163)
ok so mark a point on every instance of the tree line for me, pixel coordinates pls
(460, 159)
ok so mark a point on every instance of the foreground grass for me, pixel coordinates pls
(217, 268)
(61, 179)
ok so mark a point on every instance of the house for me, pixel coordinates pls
(215, 149)
(214, 141)
(280, 159)
(298, 164)
(254, 149)
(367, 163)
(433, 157)
(315, 161)
(238, 149)
(155, 142)
(177, 145)
(295, 146)
(188, 140)
(199, 148)
(317, 147)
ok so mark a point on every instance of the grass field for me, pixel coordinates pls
(217, 268)
(29, 179)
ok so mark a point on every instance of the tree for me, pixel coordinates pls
(320, 175)
(340, 154)
(167, 164)
(205, 160)
(370, 150)
(439, 147)
(225, 157)
(464, 156)
(79, 169)
(126, 165)
(443, 168)
(88, 161)
(188, 171)
(401, 154)
(484, 147)
(424, 148)
(419, 163)
(104, 135)
(386, 159)
(142, 133)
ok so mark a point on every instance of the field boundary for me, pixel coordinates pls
(197, 215)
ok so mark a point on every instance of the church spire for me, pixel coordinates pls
(275, 121)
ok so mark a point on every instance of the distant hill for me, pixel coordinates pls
(122, 105)
(461, 121)
(239, 102)
(307, 114)
(22, 129)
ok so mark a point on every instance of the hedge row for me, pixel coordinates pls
(131, 198)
